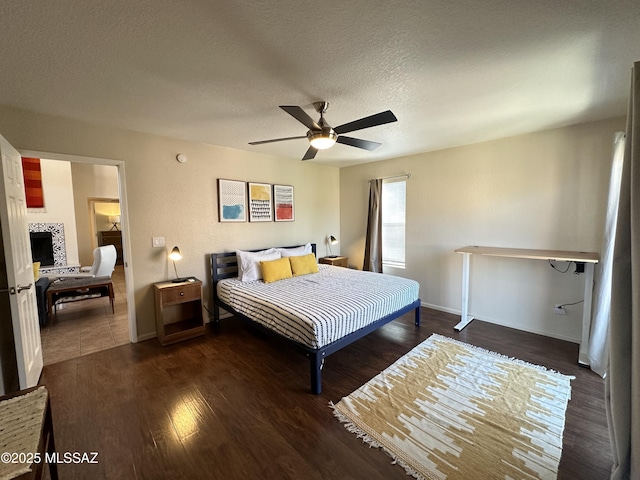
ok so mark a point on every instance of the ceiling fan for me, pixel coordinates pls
(322, 136)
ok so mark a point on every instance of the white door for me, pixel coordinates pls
(20, 284)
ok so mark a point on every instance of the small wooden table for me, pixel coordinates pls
(27, 434)
(337, 261)
(589, 259)
(74, 289)
(179, 313)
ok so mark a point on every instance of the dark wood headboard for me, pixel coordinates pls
(225, 265)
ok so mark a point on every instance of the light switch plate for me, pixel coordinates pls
(157, 241)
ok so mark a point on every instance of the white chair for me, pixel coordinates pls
(104, 262)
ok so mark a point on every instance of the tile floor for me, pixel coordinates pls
(87, 326)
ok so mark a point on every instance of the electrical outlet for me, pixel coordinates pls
(559, 310)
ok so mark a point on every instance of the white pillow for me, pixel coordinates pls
(249, 263)
(295, 251)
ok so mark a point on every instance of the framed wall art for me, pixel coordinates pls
(260, 202)
(32, 174)
(232, 201)
(283, 203)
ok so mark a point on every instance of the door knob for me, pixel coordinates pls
(21, 288)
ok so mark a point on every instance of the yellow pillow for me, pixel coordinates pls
(274, 270)
(36, 270)
(303, 265)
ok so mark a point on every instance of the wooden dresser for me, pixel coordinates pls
(112, 237)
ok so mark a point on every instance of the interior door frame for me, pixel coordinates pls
(124, 221)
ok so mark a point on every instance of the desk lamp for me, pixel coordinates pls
(173, 256)
(331, 240)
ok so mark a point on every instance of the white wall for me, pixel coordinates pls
(103, 212)
(91, 181)
(57, 187)
(544, 191)
(179, 201)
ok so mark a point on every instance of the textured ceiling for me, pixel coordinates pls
(453, 72)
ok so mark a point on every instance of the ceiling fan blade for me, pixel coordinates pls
(311, 153)
(358, 142)
(276, 140)
(367, 122)
(300, 115)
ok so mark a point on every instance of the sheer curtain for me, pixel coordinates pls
(622, 383)
(599, 337)
(373, 245)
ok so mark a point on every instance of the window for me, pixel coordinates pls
(394, 199)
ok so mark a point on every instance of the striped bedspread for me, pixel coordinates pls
(318, 309)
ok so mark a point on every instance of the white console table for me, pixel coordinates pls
(588, 258)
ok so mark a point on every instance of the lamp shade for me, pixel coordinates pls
(175, 254)
(114, 218)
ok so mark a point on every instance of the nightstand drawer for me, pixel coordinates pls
(180, 294)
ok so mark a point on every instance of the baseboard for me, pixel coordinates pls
(441, 309)
(223, 315)
(146, 336)
(504, 324)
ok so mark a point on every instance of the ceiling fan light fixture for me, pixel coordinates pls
(320, 134)
(321, 140)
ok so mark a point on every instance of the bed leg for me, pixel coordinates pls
(316, 361)
(216, 314)
(418, 316)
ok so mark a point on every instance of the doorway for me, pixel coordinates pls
(104, 224)
(87, 326)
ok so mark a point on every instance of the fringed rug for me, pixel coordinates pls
(449, 410)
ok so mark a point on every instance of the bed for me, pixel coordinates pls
(318, 313)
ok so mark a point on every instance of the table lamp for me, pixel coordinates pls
(115, 220)
(173, 256)
(331, 240)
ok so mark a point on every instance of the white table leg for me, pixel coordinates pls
(583, 357)
(465, 318)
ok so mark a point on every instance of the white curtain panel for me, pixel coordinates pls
(622, 383)
(599, 338)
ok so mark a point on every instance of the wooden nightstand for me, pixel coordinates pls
(336, 261)
(178, 311)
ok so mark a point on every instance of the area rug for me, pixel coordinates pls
(449, 410)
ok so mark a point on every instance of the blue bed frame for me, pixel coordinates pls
(225, 265)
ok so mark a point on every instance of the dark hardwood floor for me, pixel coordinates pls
(236, 405)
